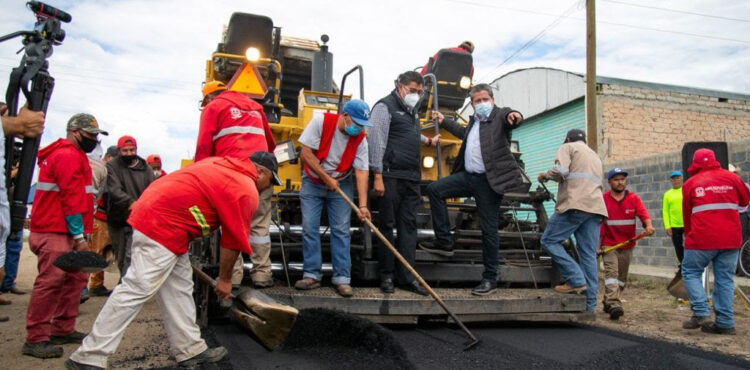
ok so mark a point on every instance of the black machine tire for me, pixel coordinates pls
(744, 258)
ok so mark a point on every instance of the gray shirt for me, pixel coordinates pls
(310, 138)
(378, 135)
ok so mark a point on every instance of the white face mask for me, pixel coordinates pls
(411, 99)
(157, 173)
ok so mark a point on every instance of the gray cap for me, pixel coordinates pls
(85, 122)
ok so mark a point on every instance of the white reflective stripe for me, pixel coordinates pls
(715, 206)
(621, 283)
(90, 189)
(47, 186)
(559, 168)
(620, 222)
(240, 130)
(260, 239)
(585, 176)
(611, 281)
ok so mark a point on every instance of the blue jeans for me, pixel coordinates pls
(585, 227)
(464, 184)
(12, 256)
(313, 197)
(725, 265)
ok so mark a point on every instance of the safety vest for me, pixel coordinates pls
(330, 121)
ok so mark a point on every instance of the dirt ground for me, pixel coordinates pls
(650, 312)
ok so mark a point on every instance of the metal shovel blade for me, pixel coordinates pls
(268, 320)
(676, 287)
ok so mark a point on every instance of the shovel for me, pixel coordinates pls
(676, 287)
(268, 320)
(606, 250)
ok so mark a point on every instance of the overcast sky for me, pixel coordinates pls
(137, 65)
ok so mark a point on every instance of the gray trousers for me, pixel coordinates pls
(121, 239)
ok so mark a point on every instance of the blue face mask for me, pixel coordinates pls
(353, 129)
(483, 110)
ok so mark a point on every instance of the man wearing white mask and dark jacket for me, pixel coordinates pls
(394, 143)
(484, 169)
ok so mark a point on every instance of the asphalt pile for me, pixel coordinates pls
(76, 261)
(347, 341)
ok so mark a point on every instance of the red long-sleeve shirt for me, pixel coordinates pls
(233, 125)
(196, 200)
(710, 202)
(64, 188)
(620, 225)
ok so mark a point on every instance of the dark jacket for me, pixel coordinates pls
(401, 158)
(503, 172)
(124, 185)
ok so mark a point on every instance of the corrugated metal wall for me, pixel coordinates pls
(541, 136)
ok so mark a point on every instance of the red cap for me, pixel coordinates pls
(704, 155)
(126, 141)
(153, 158)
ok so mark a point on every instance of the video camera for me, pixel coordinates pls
(33, 79)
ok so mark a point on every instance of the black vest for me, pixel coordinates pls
(402, 156)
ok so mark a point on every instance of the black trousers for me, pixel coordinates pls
(464, 184)
(397, 208)
(678, 238)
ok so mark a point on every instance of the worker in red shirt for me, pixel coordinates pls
(188, 204)
(62, 215)
(711, 198)
(154, 161)
(622, 207)
(464, 47)
(233, 125)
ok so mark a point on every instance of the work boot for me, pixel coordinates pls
(713, 329)
(414, 287)
(260, 284)
(4, 301)
(72, 365)
(386, 285)
(4, 318)
(13, 290)
(696, 322)
(615, 313)
(100, 291)
(42, 350)
(74, 337)
(485, 287)
(438, 246)
(567, 289)
(307, 284)
(210, 355)
(344, 290)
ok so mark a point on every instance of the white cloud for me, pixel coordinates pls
(138, 64)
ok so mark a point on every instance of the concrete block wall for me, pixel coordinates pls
(637, 122)
(649, 178)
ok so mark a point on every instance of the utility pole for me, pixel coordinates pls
(591, 126)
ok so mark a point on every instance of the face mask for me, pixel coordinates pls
(411, 100)
(353, 130)
(157, 173)
(127, 159)
(483, 110)
(87, 145)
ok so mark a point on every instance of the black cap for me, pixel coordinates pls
(268, 161)
(575, 135)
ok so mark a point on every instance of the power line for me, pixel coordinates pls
(677, 11)
(536, 38)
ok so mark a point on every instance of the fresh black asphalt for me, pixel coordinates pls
(439, 346)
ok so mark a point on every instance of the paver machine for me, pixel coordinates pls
(292, 78)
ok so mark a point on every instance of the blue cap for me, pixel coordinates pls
(616, 171)
(675, 173)
(359, 111)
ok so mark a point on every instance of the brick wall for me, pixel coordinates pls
(649, 178)
(637, 122)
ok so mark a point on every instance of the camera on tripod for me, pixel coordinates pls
(33, 79)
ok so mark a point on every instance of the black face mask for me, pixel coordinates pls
(128, 159)
(86, 144)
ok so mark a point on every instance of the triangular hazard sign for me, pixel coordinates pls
(247, 80)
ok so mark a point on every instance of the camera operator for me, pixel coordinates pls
(27, 124)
